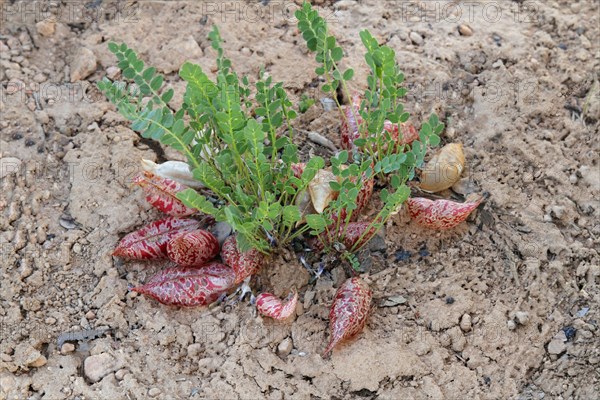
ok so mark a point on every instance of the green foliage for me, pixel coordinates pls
(382, 154)
(238, 139)
(381, 99)
(230, 151)
(305, 103)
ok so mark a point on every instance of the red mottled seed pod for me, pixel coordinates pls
(439, 214)
(298, 169)
(270, 305)
(356, 231)
(409, 134)
(162, 194)
(150, 242)
(349, 311)
(193, 249)
(188, 287)
(244, 264)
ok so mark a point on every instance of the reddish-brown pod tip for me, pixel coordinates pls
(270, 305)
(150, 242)
(350, 123)
(188, 287)
(349, 311)
(162, 194)
(244, 264)
(298, 169)
(409, 134)
(439, 214)
(193, 249)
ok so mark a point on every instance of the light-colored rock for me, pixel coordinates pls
(83, 64)
(98, 366)
(465, 30)
(416, 38)
(176, 52)
(67, 348)
(522, 317)
(285, 347)
(154, 392)
(46, 27)
(557, 345)
(465, 323)
(591, 176)
(26, 356)
(112, 72)
(510, 324)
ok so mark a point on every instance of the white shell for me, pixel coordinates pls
(175, 170)
(320, 192)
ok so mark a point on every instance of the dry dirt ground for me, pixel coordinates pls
(505, 306)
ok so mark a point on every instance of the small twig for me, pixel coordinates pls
(321, 140)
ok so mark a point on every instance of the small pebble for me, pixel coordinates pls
(90, 315)
(120, 374)
(67, 348)
(154, 392)
(76, 248)
(416, 38)
(465, 30)
(522, 317)
(449, 300)
(511, 325)
(285, 347)
(569, 332)
(112, 72)
(46, 27)
(557, 344)
(465, 323)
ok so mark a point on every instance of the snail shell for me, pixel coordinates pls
(320, 192)
(444, 169)
(175, 170)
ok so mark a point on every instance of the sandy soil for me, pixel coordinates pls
(504, 306)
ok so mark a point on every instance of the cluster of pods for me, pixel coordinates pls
(206, 269)
(440, 173)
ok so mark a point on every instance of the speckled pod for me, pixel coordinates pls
(150, 242)
(409, 134)
(439, 214)
(351, 122)
(243, 264)
(354, 232)
(444, 169)
(349, 311)
(298, 169)
(271, 306)
(188, 287)
(193, 249)
(162, 192)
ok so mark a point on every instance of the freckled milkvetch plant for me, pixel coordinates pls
(238, 140)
